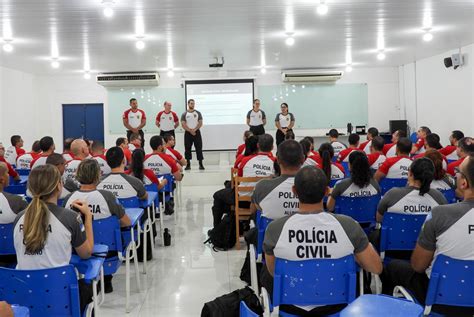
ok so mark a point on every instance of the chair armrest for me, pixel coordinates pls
(90, 267)
(134, 214)
(266, 302)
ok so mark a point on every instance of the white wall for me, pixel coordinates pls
(39, 98)
(438, 97)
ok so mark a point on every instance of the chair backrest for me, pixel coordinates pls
(23, 172)
(451, 282)
(16, 189)
(450, 195)
(413, 137)
(131, 202)
(333, 182)
(46, 292)
(361, 209)
(233, 174)
(244, 185)
(314, 282)
(388, 183)
(170, 182)
(400, 231)
(245, 311)
(7, 246)
(151, 188)
(107, 232)
(346, 168)
(262, 224)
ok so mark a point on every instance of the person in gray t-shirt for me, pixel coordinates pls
(448, 230)
(281, 240)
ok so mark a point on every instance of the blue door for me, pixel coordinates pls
(83, 121)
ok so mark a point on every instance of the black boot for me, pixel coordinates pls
(188, 166)
(201, 167)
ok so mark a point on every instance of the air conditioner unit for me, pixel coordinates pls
(129, 79)
(322, 76)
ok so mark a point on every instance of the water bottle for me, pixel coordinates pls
(167, 237)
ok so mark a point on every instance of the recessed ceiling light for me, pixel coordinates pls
(87, 75)
(290, 41)
(381, 56)
(55, 63)
(7, 47)
(322, 8)
(263, 70)
(348, 68)
(108, 11)
(170, 73)
(140, 44)
(428, 36)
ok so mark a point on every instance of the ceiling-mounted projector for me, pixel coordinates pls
(217, 64)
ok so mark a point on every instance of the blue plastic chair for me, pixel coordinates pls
(400, 232)
(388, 183)
(451, 283)
(413, 137)
(361, 209)
(262, 224)
(450, 195)
(20, 311)
(23, 172)
(314, 282)
(16, 189)
(381, 305)
(245, 311)
(167, 192)
(346, 168)
(46, 292)
(7, 246)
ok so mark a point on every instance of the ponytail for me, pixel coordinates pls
(326, 151)
(42, 183)
(423, 171)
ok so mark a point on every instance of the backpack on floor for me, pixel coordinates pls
(222, 237)
(228, 305)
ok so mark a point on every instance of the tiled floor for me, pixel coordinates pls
(185, 275)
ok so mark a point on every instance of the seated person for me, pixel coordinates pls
(310, 158)
(353, 146)
(376, 156)
(98, 154)
(398, 166)
(442, 180)
(171, 151)
(45, 234)
(135, 142)
(371, 134)
(290, 135)
(256, 165)
(333, 171)
(432, 142)
(465, 147)
(102, 203)
(160, 162)
(15, 150)
(241, 148)
(446, 231)
(311, 187)
(67, 149)
(390, 150)
(421, 134)
(336, 145)
(123, 144)
(314, 152)
(70, 185)
(449, 151)
(47, 148)
(138, 170)
(23, 162)
(251, 148)
(361, 183)
(79, 151)
(417, 198)
(119, 183)
(11, 171)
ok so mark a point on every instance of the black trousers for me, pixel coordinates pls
(280, 137)
(189, 140)
(141, 134)
(171, 132)
(257, 129)
(400, 272)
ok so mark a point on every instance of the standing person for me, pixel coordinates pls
(191, 121)
(256, 119)
(167, 120)
(284, 121)
(15, 150)
(134, 120)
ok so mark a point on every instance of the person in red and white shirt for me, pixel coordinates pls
(353, 146)
(421, 134)
(23, 162)
(138, 170)
(241, 148)
(123, 144)
(47, 148)
(432, 143)
(80, 151)
(67, 149)
(159, 162)
(335, 143)
(333, 171)
(396, 167)
(98, 154)
(465, 147)
(376, 157)
(15, 150)
(390, 150)
(449, 151)
(171, 151)
(135, 142)
(167, 120)
(134, 120)
(365, 146)
(11, 171)
(310, 158)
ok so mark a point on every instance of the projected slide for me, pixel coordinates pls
(222, 102)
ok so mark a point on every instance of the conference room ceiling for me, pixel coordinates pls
(186, 34)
